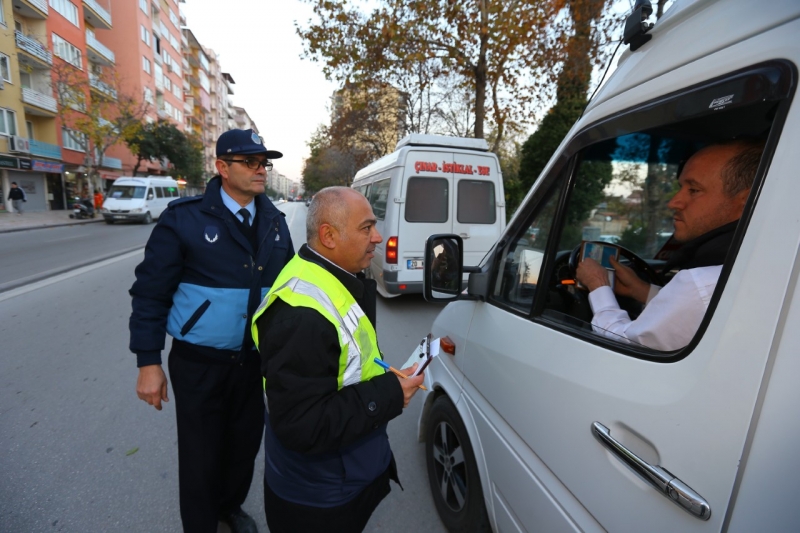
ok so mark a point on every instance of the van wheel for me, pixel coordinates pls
(453, 472)
(148, 219)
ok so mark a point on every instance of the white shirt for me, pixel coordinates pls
(234, 207)
(669, 320)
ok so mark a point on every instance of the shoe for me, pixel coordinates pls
(240, 522)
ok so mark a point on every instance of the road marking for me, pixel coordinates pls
(67, 275)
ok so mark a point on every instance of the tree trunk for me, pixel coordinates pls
(480, 73)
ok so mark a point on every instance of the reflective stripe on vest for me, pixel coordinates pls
(357, 337)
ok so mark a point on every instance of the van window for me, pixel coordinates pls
(171, 192)
(126, 192)
(427, 199)
(476, 203)
(519, 270)
(614, 186)
(159, 192)
(378, 196)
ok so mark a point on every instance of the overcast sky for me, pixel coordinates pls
(286, 96)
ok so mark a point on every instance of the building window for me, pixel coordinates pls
(148, 95)
(8, 122)
(67, 9)
(177, 91)
(145, 34)
(167, 83)
(174, 42)
(67, 52)
(173, 18)
(178, 115)
(146, 64)
(5, 68)
(143, 5)
(2, 13)
(73, 140)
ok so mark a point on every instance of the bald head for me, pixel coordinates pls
(329, 206)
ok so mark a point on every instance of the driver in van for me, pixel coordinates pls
(714, 186)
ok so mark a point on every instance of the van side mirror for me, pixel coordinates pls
(150, 194)
(444, 268)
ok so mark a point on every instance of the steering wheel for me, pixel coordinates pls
(639, 265)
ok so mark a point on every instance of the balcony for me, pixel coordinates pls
(50, 151)
(97, 51)
(35, 9)
(112, 162)
(188, 105)
(163, 114)
(38, 103)
(101, 86)
(35, 54)
(96, 15)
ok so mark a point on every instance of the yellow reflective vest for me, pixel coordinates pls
(302, 283)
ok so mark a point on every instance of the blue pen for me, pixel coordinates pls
(396, 372)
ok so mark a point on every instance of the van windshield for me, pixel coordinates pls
(126, 192)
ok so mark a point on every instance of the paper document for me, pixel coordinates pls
(423, 354)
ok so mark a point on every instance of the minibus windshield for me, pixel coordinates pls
(126, 192)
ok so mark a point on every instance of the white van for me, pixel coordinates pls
(431, 184)
(140, 199)
(533, 421)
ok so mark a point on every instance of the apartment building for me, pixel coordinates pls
(43, 38)
(148, 45)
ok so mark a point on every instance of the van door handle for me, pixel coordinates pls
(660, 478)
(464, 235)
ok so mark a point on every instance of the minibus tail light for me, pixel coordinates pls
(391, 251)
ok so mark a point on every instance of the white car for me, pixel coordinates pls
(534, 421)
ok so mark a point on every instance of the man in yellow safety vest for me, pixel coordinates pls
(328, 462)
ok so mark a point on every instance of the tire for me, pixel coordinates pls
(453, 472)
(148, 218)
(109, 221)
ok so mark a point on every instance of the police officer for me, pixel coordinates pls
(207, 265)
(328, 460)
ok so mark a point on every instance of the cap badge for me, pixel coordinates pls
(256, 139)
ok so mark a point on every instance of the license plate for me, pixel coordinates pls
(118, 216)
(414, 264)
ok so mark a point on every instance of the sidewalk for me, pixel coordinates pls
(42, 219)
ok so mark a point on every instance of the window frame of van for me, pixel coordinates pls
(646, 117)
(492, 207)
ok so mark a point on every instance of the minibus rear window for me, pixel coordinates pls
(476, 203)
(426, 200)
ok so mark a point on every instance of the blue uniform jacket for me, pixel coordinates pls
(201, 281)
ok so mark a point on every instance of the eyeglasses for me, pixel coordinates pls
(252, 162)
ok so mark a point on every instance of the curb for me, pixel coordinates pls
(4, 287)
(45, 226)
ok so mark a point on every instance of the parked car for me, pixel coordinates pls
(536, 421)
(140, 199)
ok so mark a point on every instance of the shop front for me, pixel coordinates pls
(41, 181)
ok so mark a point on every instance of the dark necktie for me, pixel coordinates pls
(245, 216)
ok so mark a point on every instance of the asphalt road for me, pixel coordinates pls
(80, 452)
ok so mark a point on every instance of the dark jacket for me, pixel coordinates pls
(16, 193)
(201, 280)
(323, 445)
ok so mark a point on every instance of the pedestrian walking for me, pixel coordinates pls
(17, 197)
(207, 265)
(327, 456)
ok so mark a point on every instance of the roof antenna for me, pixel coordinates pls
(635, 26)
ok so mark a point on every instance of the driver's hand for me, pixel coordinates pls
(628, 283)
(591, 275)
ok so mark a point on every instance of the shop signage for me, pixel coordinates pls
(47, 166)
(25, 164)
(8, 162)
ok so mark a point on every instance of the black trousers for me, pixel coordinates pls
(220, 415)
(352, 517)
